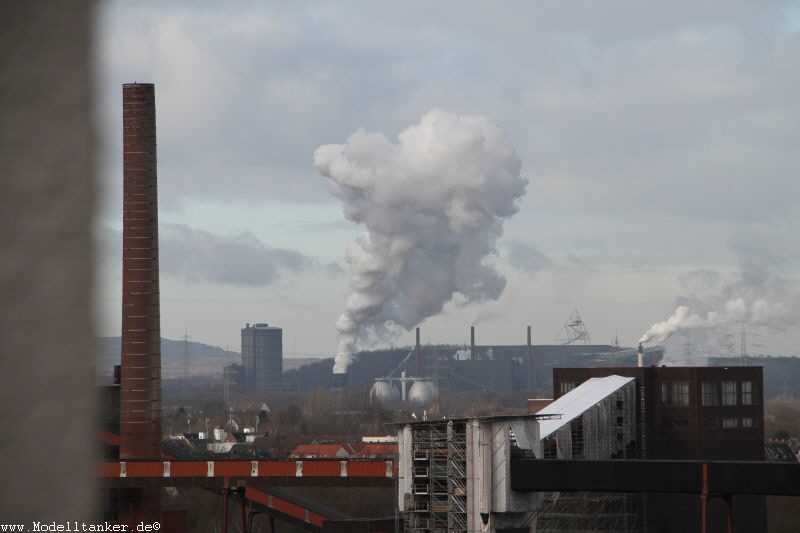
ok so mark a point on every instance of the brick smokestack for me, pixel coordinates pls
(140, 390)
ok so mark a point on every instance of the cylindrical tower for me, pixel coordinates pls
(529, 362)
(418, 356)
(472, 343)
(140, 390)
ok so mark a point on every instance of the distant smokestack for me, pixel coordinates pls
(472, 343)
(640, 356)
(419, 356)
(140, 390)
(529, 361)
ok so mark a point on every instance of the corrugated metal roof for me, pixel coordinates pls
(578, 401)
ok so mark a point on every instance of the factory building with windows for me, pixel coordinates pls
(691, 413)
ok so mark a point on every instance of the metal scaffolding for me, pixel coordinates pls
(438, 499)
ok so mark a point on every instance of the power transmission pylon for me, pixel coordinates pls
(185, 362)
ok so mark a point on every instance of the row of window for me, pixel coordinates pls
(725, 422)
(730, 422)
(711, 393)
(727, 393)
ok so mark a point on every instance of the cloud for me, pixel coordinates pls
(700, 278)
(571, 257)
(661, 108)
(199, 256)
(526, 258)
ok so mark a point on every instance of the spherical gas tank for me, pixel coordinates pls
(421, 392)
(382, 391)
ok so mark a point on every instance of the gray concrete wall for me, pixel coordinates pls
(46, 203)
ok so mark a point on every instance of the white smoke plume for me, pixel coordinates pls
(758, 296)
(433, 205)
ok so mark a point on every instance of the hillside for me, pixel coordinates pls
(204, 359)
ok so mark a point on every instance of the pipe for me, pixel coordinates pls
(704, 500)
(729, 507)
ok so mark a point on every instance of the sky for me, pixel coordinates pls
(657, 143)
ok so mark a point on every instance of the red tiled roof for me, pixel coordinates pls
(378, 449)
(318, 450)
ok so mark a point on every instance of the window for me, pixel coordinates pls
(729, 422)
(747, 393)
(675, 393)
(680, 393)
(566, 387)
(675, 423)
(709, 393)
(747, 422)
(728, 393)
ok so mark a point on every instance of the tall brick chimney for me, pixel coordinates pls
(140, 390)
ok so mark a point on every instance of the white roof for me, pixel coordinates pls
(578, 401)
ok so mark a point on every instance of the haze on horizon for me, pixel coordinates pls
(658, 141)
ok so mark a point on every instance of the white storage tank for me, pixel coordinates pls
(384, 392)
(423, 392)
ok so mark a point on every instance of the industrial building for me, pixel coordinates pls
(700, 413)
(689, 412)
(262, 357)
(595, 420)
(455, 474)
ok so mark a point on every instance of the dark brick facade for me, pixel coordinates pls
(702, 413)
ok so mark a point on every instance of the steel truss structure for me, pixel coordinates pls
(438, 500)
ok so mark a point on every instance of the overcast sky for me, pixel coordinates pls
(659, 141)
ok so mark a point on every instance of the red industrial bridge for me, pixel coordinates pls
(239, 473)
(254, 483)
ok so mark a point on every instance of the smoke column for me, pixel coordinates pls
(758, 295)
(433, 205)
